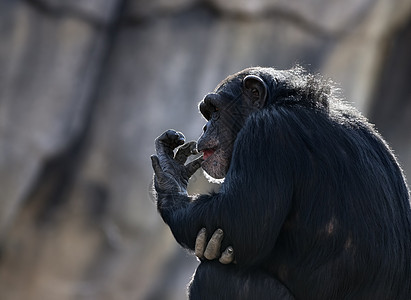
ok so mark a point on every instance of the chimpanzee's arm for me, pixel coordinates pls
(250, 216)
(254, 199)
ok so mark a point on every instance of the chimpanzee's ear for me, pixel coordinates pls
(256, 89)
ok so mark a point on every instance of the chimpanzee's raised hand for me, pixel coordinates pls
(171, 175)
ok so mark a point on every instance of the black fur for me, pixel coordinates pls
(314, 200)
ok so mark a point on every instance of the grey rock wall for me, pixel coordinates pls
(86, 86)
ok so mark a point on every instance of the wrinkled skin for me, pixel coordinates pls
(166, 165)
(224, 120)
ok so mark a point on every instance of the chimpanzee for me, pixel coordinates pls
(313, 201)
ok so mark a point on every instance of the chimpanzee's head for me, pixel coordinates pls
(238, 96)
(226, 110)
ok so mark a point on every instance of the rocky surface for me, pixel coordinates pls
(86, 86)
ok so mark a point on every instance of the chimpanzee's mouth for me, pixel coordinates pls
(207, 153)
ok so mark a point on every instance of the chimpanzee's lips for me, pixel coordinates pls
(207, 153)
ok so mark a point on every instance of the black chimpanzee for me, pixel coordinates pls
(313, 202)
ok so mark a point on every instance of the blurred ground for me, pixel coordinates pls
(86, 86)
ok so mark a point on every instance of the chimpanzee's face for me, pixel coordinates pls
(226, 110)
(217, 140)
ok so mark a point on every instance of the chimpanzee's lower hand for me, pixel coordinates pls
(171, 175)
(212, 249)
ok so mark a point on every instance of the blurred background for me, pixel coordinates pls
(87, 85)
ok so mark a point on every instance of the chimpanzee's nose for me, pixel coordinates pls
(210, 98)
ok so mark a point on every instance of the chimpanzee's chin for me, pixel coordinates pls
(214, 170)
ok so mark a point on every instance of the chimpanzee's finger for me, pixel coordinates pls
(167, 142)
(158, 171)
(193, 166)
(185, 151)
(213, 247)
(171, 138)
(228, 256)
(201, 242)
(176, 138)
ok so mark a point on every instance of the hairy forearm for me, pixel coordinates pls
(185, 216)
(169, 204)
